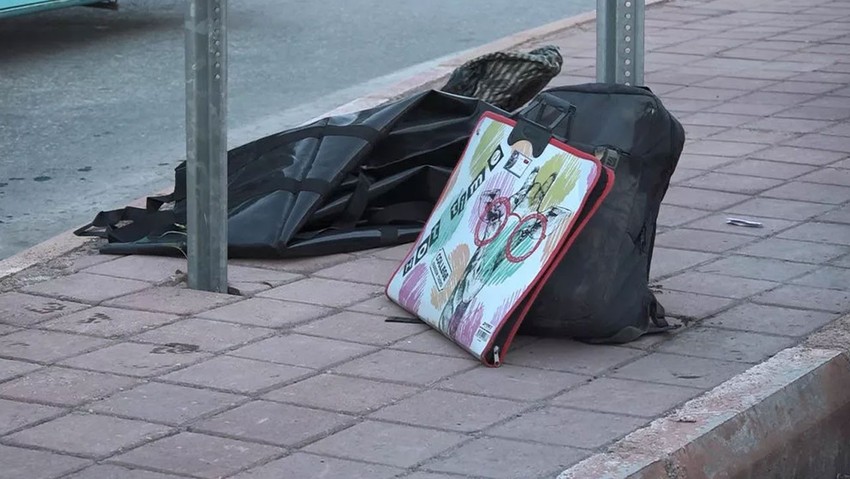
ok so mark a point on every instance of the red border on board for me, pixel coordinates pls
(547, 268)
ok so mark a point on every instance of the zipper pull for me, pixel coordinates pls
(496, 360)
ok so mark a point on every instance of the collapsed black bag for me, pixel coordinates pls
(344, 183)
(600, 291)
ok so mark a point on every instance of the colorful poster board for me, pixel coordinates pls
(505, 217)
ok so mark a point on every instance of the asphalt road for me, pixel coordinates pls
(92, 101)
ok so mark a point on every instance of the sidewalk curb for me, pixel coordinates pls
(786, 414)
(66, 242)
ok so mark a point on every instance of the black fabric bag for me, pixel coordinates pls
(343, 183)
(600, 291)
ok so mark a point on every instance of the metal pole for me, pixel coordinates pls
(620, 41)
(206, 144)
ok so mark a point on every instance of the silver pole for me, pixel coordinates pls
(206, 144)
(620, 41)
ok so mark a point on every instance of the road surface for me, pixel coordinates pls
(92, 101)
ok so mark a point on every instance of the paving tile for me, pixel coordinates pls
(512, 382)
(701, 199)
(164, 403)
(380, 306)
(808, 298)
(565, 427)
(25, 309)
(683, 173)
(6, 329)
(820, 232)
(45, 346)
(174, 300)
(680, 370)
(666, 261)
(841, 129)
(63, 386)
(620, 396)
(274, 423)
(685, 305)
(717, 222)
(815, 113)
(405, 366)
(791, 250)
(733, 183)
(771, 319)
(212, 336)
(827, 277)
(392, 444)
(229, 373)
(775, 98)
(717, 119)
(309, 465)
(670, 215)
(270, 313)
(199, 455)
(701, 240)
(118, 472)
(829, 176)
(831, 101)
(793, 125)
(153, 269)
(432, 342)
(457, 412)
(702, 161)
(822, 142)
(845, 163)
(716, 285)
(88, 434)
(766, 137)
(361, 327)
(363, 270)
(85, 287)
(843, 262)
(246, 274)
(768, 269)
(135, 359)
(801, 87)
(740, 108)
(19, 463)
(506, 459)
(766, 169)
(317, 291)
(109, 322)
(341, 393)
(395, 253)
(778, 208)
(799, 156)
(572, 356)
(295, 265)
(720, 148)
(88, 260)
(9, 368)
(798, 190)
(840, 215)
(434, 475)
(300, 350)
(728, 345)
(15, 415)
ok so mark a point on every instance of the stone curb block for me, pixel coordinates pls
(786, 417)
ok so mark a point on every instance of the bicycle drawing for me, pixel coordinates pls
(528, 234)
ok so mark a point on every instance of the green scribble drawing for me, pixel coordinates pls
(496, 268)
(491, 137)
(566, 169)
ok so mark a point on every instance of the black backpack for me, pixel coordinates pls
(600, 291)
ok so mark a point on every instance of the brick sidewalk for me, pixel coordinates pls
(113, 367)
